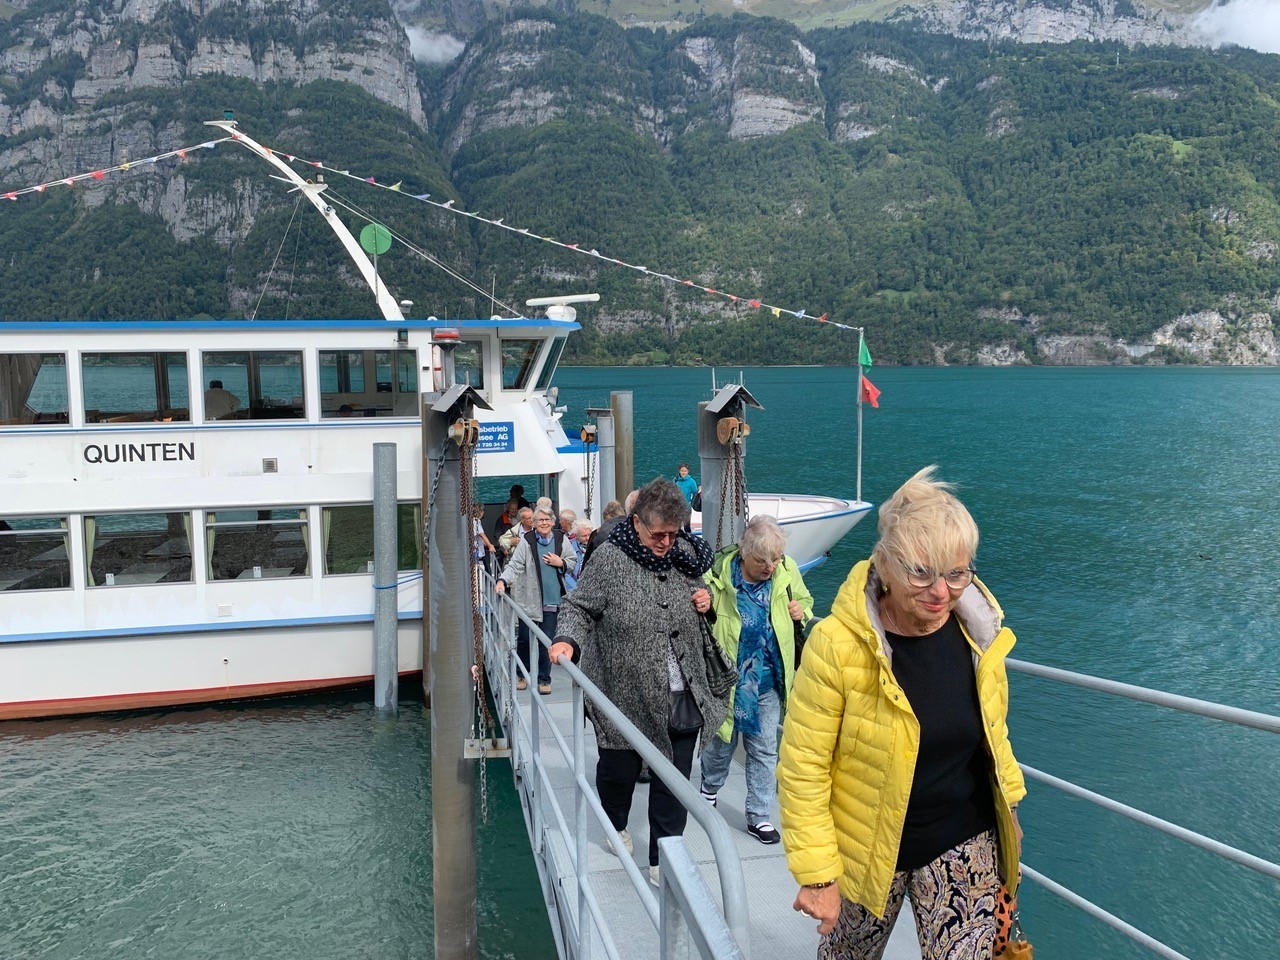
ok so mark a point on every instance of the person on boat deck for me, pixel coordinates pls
(613, 512)
(524, 523)
(896, 775)
(688, 485)
(569, 523)
(517, 494)
(535, 575)
(581, 537)
(633, 622)
(758, 595)
(218, 402)
(481, 545)
(507, 519)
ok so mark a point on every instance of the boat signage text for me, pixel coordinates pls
(497, 437)
(149, 452)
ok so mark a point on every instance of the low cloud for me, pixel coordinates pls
(427, 46)
(1246, 23)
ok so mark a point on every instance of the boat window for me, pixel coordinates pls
(348, 538)
(133, 548)
(33, 388)
(468, 366)
(517, 362)
(254, 385)
(342, 383)
(33, 553)
(407, 370)
(135, 387)
(553, 358)
(256, 544)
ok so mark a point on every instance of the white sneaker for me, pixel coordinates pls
(653, 875)
(626, 843)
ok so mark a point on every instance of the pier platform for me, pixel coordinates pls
(775, 929)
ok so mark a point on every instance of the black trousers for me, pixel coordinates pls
(616, 775)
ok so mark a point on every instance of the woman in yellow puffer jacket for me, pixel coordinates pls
(896, 776)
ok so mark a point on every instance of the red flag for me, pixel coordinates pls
(870, 393)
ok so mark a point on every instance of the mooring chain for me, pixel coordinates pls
(482, 719)
(590, 478)
(724, 501)
(431, 502)
(741, 501)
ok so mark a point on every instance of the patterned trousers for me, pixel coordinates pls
(954, 902)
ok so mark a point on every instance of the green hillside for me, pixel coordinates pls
(994, 194)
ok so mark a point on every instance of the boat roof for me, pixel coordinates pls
(193, 326)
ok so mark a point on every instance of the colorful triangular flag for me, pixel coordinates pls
(870, 393)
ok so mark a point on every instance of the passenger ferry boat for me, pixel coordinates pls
(186, 507)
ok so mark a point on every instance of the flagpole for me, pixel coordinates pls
(858, 390)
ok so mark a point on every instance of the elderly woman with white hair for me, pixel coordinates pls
(896, 774)
(758, 596)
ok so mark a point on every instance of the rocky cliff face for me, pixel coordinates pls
(92, 51)
(1027, 21)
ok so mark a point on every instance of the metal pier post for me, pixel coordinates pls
(721, 424)
(453, 815)
(624, 451)
(386, 627)
(605, 459)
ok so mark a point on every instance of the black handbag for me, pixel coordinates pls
(685, 716)
(799, 631)
(722, 676)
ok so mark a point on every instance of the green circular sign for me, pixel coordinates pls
(376, 239)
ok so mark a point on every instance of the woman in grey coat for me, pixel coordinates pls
(633, 621)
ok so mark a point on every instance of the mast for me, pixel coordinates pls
(312, 191)
(858, 391)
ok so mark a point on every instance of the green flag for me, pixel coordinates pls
(864, 355)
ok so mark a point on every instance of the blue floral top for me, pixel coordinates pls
(759, 659)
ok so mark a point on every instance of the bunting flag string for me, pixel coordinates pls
(180, 153)
(449, 205)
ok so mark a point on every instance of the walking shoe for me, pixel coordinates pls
(709, 797)
(653, 875)
(627, 845)
(544, 688)
(645, 776)
(522, 683)
(764, 832)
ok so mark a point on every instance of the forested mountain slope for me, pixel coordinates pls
(966, 202)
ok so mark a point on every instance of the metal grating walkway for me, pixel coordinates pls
(775, 929)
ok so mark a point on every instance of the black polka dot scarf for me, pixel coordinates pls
(690, 555)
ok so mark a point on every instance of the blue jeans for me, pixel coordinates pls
(524, 637)
(762, 761)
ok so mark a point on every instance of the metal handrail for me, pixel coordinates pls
(729, 867)
(1204, 708)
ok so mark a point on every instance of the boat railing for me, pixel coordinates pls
(682, 909)
(1204, 708)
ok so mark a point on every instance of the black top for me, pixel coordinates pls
(951, 799)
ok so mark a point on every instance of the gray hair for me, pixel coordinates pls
(613, 509)
(763, 539)
(630, 503)
(923, 523)
(543, 512)
(583, 531)
(524, 512)
(661, 501)
(567, 514)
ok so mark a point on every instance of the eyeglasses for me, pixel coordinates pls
(922, 577)
(546, 520)
(663, 536)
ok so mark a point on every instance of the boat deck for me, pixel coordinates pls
(776, 930)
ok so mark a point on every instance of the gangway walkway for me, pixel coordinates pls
(721, 893)
(541, 732)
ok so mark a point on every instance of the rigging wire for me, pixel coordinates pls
(270, 272)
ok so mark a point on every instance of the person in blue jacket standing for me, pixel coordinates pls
(688, 484)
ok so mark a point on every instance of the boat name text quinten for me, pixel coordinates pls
(138, 452)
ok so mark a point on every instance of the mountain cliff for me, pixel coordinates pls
(967, 201)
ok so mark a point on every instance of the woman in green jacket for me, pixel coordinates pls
(758, 596)
(896, 776)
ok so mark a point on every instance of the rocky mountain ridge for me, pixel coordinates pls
(89, 82)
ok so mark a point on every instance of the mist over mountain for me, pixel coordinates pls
(966, 200)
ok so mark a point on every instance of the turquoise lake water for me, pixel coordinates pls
(1131, 529)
